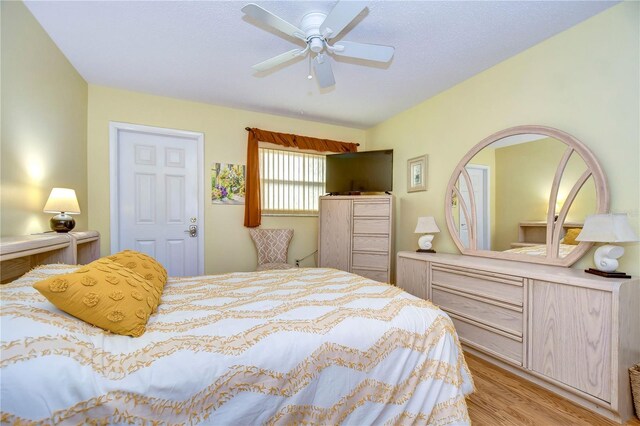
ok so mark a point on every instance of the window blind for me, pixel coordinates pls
(290, 182)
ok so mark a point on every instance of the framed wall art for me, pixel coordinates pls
(227, 183)
(417, 174)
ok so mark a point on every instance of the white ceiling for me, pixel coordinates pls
(203, 50)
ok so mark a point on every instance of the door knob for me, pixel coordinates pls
(192, 231)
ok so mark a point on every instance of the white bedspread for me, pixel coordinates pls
(296, 346)
(541, 250)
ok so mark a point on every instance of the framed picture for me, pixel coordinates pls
(417, 174)
(227, 183)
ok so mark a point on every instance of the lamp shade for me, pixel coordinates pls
(426, 225)
(607, 228)
(62, 200)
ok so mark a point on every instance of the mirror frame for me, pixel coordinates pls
(554, 230)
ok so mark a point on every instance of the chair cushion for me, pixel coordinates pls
(272, 244)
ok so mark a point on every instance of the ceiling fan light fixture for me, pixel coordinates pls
(316, 44)
(315, 30)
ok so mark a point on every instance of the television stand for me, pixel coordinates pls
(355, 193)
(355, 234)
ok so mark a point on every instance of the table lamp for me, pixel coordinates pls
(64, 202)
(426, 225)
(607, 228)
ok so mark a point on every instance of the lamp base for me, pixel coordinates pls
(62, 223)
(606, 257)
(425, 251)
(607, 274)
(425, 242)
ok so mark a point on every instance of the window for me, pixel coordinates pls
(291, 182)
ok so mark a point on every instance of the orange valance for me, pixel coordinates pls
(252, 209)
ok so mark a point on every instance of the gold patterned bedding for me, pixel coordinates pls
(316, 346)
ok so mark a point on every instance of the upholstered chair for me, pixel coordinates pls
(272, 246)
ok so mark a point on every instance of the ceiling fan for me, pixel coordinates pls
(316, 30)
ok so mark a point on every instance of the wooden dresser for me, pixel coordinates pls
(356, 235)
(21, 253)
(571, 332)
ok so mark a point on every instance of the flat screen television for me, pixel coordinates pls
(367, 171)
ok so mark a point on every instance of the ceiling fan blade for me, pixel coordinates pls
(370, 52)
(323, 71)
(266, 17)
(277, 60)
(342, 14)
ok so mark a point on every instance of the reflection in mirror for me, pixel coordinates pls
(523, 194)
(507, 208)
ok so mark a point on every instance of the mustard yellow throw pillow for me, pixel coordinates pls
(145, 265)
(571, 235)
(105, 294)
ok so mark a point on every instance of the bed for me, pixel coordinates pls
(315, 346)
(541, 250)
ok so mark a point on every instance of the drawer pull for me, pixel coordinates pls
(456, 315)
(505, 279)
(479, 293)
(371, 243)
(477, 297)
(371, 226)
(376, 275)
(363, 209)
(377, 261)
(511, 334)
(489, 340)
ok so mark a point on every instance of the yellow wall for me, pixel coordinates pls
(44, 124)
(524, 176)
(228, 246)
(583, 81)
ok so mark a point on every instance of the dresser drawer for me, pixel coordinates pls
(371, 226)
(498, 287)
(498, 315)
(487, 340)
(381, 276)
(371, 243)
(370, 260)
(371, 209)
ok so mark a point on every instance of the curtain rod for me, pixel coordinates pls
(249, 128)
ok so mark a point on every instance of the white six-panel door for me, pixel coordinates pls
(479, 176)
(158, 195)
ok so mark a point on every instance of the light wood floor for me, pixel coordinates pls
(502, 398)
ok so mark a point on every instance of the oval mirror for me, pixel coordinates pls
(523, 194)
